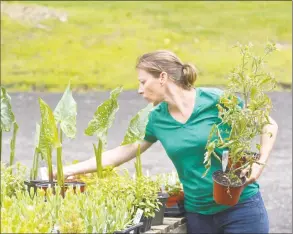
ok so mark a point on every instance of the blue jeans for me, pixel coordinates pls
(249, 216)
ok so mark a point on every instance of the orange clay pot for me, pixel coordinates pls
(174, 199)
(225, 195)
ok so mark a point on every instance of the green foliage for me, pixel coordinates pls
(103, 56)
(251, 81)
(137, 125)
(7, 116)
(65, 113)
(101, 122)
(48, 135)
(104, 117)
(170, 183)
(12, 179)
(7, 122)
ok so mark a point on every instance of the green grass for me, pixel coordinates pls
(98, 46)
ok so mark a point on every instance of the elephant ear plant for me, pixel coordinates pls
(7, 123)
(136, 133)
(65, 116)
(101, 122)
(146, 190)
(240, 123)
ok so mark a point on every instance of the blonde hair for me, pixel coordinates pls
(184, 74)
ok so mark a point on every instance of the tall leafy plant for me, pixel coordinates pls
(7, 123)
(65, 117)
(48, 135)
(251, 81)
(136, 133)
(101, 122)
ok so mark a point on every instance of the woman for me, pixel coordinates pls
(181, 121)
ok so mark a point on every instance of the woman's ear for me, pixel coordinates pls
(163, 78)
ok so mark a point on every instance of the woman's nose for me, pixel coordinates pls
(140, 90)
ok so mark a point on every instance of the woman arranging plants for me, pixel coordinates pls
(182, 121)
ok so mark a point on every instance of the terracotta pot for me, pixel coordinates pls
(226, 195)
(174, 199)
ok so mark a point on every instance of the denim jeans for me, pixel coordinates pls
(249, 216)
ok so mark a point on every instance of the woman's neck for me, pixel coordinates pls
(180, 100)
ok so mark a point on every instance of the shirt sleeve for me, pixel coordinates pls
(149, 131)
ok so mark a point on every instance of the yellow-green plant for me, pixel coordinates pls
(7, 122)
(101, 122)
(241, 122)
(12, 182)
(21, 214)
(65, 116)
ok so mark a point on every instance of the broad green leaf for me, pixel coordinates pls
(136, 128)
(48, 131)
(104, 117)
(65, 113)
(7, 116)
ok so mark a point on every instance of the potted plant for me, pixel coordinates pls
(65, 116)
(175, 201)
(240, 123)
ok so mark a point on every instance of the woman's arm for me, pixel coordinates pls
(114, 157)
(267, 142)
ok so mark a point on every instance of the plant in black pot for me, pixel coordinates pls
(240, 123)
(63, 120)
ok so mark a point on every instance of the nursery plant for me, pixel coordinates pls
(48, 136)
(7, 123)
(103, 119)
(242, 119)
(12, 178)
(65, 118)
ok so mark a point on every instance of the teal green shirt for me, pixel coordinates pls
(185, 146)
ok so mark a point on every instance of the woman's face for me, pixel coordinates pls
(151, 88)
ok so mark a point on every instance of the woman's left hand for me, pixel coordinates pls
(254, 174)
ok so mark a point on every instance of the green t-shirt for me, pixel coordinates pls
(185, 146)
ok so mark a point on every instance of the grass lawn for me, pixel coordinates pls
(98, 46)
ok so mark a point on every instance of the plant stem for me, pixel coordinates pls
(60, 176)
(12, 143)
(98, 154)
(0, 145)
(138, 165)
(49, 161)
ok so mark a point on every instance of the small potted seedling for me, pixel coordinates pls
(103, 119)
(240, 123)
(7, 123)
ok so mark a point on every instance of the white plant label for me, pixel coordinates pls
(138, 216)
(225, 160)
(105, 229)
(44, 173)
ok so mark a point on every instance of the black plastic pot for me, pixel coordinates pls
(133, 229)
(33, 184)
(146, 224)
(159, 215)
(176, 210)
(66, 185)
